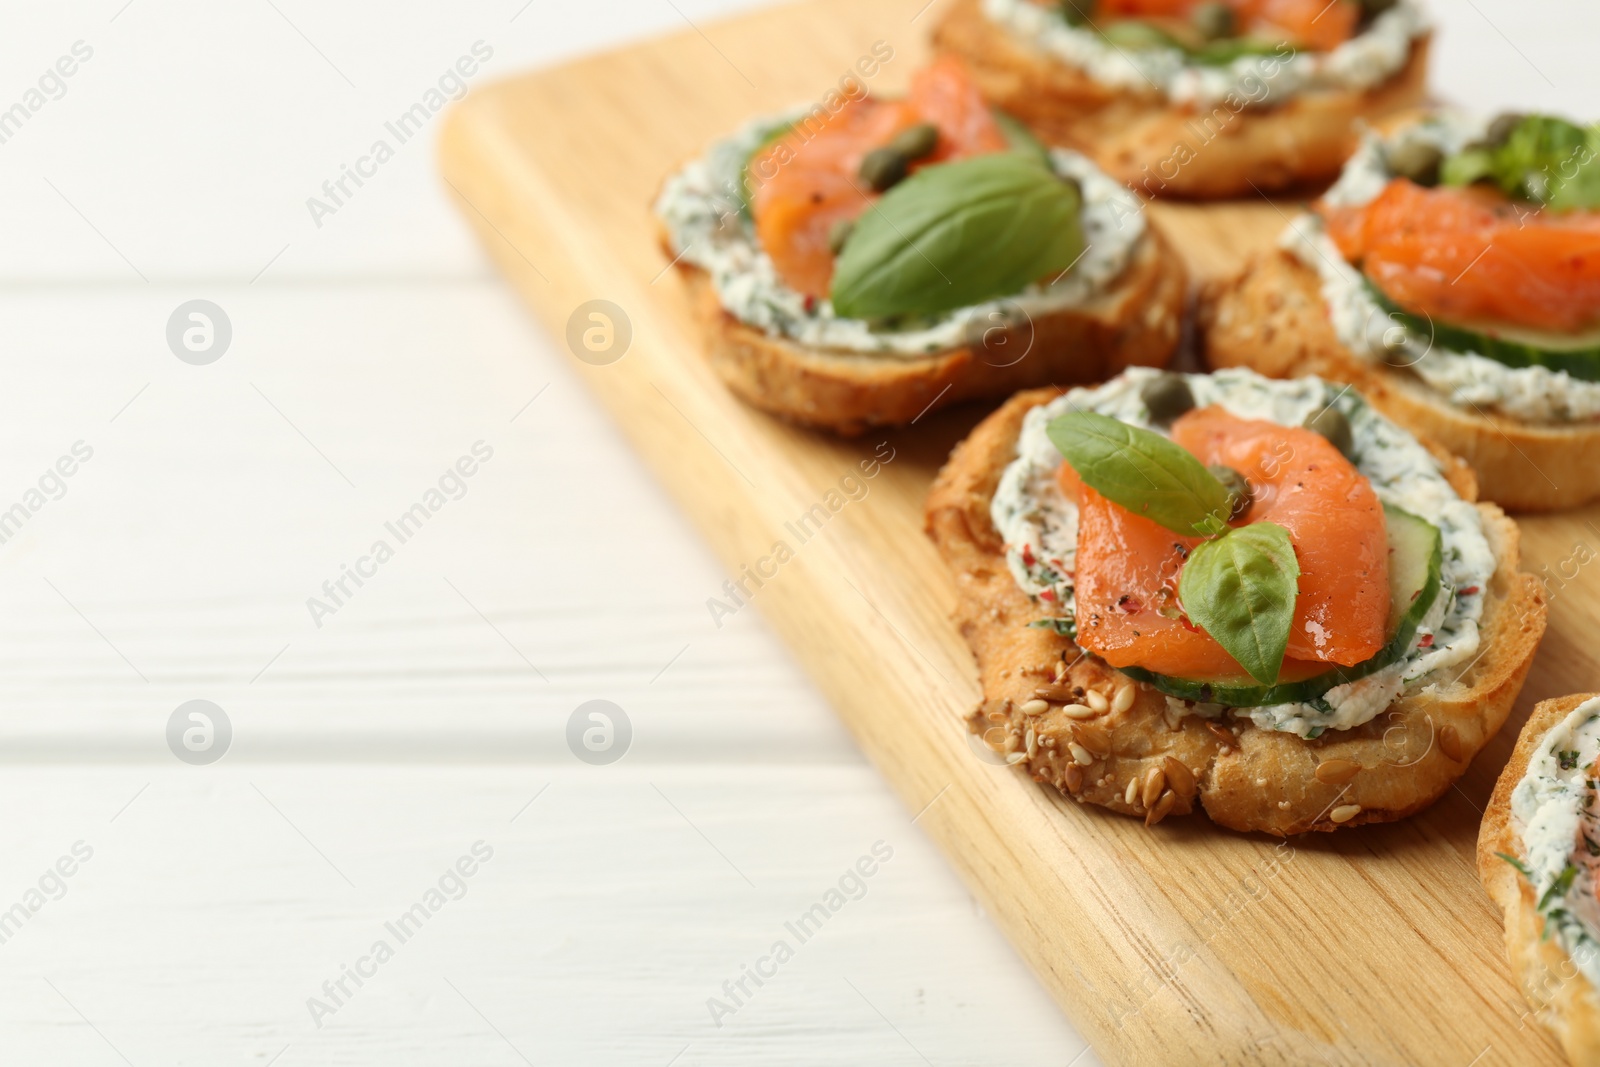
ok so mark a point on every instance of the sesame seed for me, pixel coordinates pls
(1078, 711)
(1345, 812)
(1337, 771)
(1035, 707)
(1097, 700)
(1080, 754)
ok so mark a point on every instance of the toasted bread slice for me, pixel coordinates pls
(1137, 321)
(1272, 319)
(1562, 997)
(1165, 149)
(1245, 778)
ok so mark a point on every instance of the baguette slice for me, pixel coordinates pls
(1561, 996)
(1244, 777)
(1135, 322)
(1272, 319)
(1165, 149)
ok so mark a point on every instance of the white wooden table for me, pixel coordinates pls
(427, 714)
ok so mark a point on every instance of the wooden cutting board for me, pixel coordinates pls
(1187, 944)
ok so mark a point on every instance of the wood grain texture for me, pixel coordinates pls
(1187, 945)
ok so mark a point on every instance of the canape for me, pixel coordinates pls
(1258, 597)
(1537, 855)
(1453, 274)
(1196, 99)
(859, 265)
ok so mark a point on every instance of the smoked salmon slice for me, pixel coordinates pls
(1470, 256)
(1127, 567)
(807, 181)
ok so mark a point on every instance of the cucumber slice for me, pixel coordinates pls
(1577, 354)
(1415, 565)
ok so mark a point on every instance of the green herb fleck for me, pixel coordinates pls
(957, 234)
(1559, 887)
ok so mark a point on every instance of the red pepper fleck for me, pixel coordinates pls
(811, 303)
(1048, 594)
(1426, 642)
(1027, 556)
(1469, 590)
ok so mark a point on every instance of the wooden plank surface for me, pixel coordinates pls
(1186, 945)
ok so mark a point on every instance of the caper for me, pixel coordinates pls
(1500, 129)
(839, 233)
(1213, 20)
(1077, 12)
(1331, 423)
(1166, 396)
(882, 168)
(916, 141)
(1240, 495)
(1417, 160)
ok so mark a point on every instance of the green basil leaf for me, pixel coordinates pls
(1241, 589)
(1136, 35)
(1061, 627)
(1142, 471)
(958, 234)
(1544, 159)
(1222, 53)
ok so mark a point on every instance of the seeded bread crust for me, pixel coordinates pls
(1136, 322)
(1162, 149)
(1244, 777)
(1272, 319)
(1562, 998)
